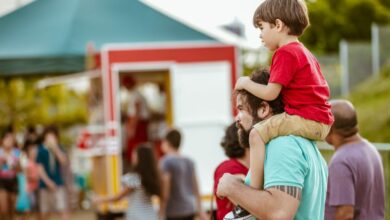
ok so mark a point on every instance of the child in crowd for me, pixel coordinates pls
(296, 75)
(31, 172)
(140, 185)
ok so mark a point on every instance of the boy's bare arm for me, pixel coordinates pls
(257, 156)
(266, 92)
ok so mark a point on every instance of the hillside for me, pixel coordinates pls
(372, 101)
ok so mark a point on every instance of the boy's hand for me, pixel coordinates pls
(241, 82)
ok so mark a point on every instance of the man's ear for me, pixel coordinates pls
(264, 110)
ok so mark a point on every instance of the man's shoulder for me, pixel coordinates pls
(290, 146)
(290, 140)
(352, 153)
(175, 159)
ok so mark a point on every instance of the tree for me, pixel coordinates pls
(21, 104)
(333, 20)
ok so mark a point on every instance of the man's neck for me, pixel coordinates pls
(349, 140)
(172, 152)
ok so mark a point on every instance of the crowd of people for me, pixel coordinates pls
(32, 178)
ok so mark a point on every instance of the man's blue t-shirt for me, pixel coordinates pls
(51, 165)
(295, 161)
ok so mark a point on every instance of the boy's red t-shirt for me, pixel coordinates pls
(305, 91)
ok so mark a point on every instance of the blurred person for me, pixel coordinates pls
(295, 73)
(31, 134)
(356, 188)
(137, 118)
(180, 191)
(9, 168)
(31, 172)
(139, 186)
(237, 164)
(295, 173)
(50, 158)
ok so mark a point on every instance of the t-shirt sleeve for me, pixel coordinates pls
(283, 68)
(165, 165)
(285, 164)
(131, 180)
(341, 188)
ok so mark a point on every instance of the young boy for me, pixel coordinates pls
(295, 74)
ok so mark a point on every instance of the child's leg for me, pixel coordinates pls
(284, 124)
(296, 125)
(257, 155)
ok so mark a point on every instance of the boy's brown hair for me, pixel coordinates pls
(293, 13)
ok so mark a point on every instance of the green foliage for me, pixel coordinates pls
(371, 100)
(22, 104)
(333, 20)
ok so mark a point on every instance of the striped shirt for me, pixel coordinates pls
(140, 203)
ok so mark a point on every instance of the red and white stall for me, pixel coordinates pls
(198, 79)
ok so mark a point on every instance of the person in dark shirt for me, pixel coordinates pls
(180, 192)
(50, 158)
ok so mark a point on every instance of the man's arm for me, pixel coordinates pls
(344, 212)
(165, 191)
(280, 202)
(198, 199)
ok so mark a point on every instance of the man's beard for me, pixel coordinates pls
(243, 137)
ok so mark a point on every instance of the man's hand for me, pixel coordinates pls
(226, 184)
(241, 83)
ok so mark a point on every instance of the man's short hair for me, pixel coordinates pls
(260, 76)
(293, 13)
(174, 138)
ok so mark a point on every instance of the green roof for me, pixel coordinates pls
(51, 35)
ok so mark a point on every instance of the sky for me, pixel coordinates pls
(212, 13)
(205, 13)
